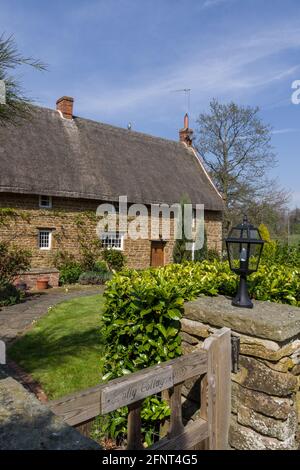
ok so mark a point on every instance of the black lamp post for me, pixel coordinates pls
(244, 247)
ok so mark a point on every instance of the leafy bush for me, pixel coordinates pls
(281, 254)
(276, 252)
(213, 255)
(10, 295)
(69, 268)
(264, 232)
(115, 259)
(13, 261)
(100, 267)
(94, 278)
(143, 311)
(201, 254)
(70, 273)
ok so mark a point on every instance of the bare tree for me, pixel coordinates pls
(17, 104)
(236, 148)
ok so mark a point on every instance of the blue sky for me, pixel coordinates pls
(121, 60)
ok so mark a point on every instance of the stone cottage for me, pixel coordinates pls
(56, 168)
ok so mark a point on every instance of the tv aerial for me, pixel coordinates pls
(187, 94)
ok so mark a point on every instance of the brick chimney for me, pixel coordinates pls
(65, 106)
(185, 134)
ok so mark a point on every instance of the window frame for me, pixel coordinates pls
(49, 206)
(45, 230)
(121, 237)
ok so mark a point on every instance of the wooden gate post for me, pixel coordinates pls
(216, 389)
(134, 427)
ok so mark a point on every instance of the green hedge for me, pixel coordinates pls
(143, 311)
(10, 295)
(143, 308)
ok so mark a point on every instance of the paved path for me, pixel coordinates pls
(14, 320)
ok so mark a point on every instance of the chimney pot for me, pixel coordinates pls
(65, 106)
(186, 121)
(185, 134)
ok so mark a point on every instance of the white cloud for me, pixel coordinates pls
(213, 3)
(287, 130)
(212, 71)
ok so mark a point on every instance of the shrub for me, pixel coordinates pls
(281, 254)
(180, 253)
(201, 254)
(10, 295)
(213, 255)
(264, 232)
(270, 246)
(276, 252)
(13, 261)
(94, 278)
(100, 267)
(69, 274)
(115, 259)
(69, 268)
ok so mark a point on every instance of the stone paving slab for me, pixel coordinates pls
(15, 319)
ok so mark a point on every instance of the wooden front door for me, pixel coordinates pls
(157, 253)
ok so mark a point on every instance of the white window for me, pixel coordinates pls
(45, 202)
(112, 240)
(45, 239)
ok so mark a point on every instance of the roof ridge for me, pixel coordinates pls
(117, 128)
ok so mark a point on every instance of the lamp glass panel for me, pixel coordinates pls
(254, 234)
(255, 252)
(238, 255)
(235, 233)
(233, 251)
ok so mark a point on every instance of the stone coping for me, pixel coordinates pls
(40, 271)
(269, 320)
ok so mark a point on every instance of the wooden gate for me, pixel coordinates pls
(212, 363)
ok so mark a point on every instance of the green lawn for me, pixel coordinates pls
(64, 349)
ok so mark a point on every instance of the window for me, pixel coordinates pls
(45, 202)
(112, 240)
(45, 239)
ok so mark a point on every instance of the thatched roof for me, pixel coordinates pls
(81, 158)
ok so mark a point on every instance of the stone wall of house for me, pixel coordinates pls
(22, 225)
(213, 224)
(265, 410)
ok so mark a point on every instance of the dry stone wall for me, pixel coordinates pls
(265, 410)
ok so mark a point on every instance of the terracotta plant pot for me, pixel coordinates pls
(42, 284)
